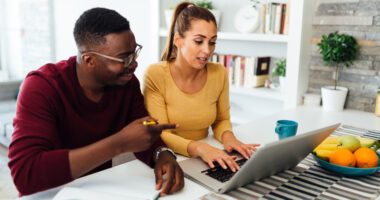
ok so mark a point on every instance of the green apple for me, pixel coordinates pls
(366, 142)
(349, 142)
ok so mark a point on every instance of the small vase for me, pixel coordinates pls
(333, 100)
(282, 83)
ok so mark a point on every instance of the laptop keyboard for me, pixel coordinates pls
(221, 174)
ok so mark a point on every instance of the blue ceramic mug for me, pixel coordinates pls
(286, 128)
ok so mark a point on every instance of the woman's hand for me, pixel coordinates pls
(230, 143)
(210, 154)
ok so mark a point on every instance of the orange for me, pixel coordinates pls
(366, 158)
(343, 157)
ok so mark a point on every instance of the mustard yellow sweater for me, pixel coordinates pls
(194, 113)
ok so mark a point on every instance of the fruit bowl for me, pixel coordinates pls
(348, 171)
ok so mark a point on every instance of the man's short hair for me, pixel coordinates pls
(94, 24)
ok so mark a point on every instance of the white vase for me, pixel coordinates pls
(333, 100)
(282, 83)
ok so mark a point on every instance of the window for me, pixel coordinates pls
(26, 36)
(2, 58)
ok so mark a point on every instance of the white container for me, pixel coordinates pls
(282, 81)
(333, 100)
(312, 100)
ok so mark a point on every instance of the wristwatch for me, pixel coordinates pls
(162, 149)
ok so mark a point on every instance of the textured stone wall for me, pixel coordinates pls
(361, 19)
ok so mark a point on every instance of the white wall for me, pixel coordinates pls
(137, 12)
(11, 38)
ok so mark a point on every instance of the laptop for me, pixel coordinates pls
(267, 160)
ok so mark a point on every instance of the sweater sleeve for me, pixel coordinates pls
(35, 155)
(138, 111)
(222, 122)
(154, 91)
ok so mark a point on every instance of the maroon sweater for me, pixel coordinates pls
(53, 116)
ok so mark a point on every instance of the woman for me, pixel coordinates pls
(188, 90)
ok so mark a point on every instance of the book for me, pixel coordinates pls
(263, 13)
(250, 63)
(277, 21)
(286, 21)
(261, 71)
(237, 71)
(283, 16)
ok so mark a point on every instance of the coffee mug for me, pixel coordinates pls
(286, 128)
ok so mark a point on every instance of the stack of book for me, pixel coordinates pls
(274, 18)
(245, 71)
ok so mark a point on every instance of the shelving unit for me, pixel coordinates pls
(251, 37)
(273, 94)
(295, 47)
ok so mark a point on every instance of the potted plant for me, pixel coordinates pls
(280, 71)
(201, 3)
(337, 50)
(208, 5)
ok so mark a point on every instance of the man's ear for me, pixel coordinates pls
(88, 60)
(177, 40)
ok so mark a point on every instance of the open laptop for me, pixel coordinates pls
(266, 161)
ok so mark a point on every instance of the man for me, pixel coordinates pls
(74, 116)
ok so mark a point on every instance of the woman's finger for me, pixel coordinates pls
(221, 163)
(210, 163)
(239, 149)
(231, 164)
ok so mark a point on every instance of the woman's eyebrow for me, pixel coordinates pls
(203, 36)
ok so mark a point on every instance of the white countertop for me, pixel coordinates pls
(118, 180)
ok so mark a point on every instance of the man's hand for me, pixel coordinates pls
(136, 136)
(167, 165)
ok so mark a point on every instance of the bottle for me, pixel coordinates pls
(377, 106)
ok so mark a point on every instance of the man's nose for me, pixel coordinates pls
(131, 67)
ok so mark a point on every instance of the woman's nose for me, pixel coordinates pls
(207, 48)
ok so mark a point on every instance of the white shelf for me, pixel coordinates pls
(268, 93)
(244, 36)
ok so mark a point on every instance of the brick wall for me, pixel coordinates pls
(361, 19)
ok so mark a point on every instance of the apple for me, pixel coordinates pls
(366, 142)
(349, 142)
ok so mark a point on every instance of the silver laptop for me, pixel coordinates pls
(266, 161)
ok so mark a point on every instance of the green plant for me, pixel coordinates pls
(204, 4)
(255, 3)
(280, 69)
(338, 50)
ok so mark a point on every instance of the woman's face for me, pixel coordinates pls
(198, 43)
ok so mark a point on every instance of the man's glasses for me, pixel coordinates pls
(126, 61)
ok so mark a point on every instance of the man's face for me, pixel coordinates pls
(111, 72)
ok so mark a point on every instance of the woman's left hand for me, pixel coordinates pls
(230, 142)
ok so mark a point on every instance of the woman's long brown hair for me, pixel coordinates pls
(184, 14)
